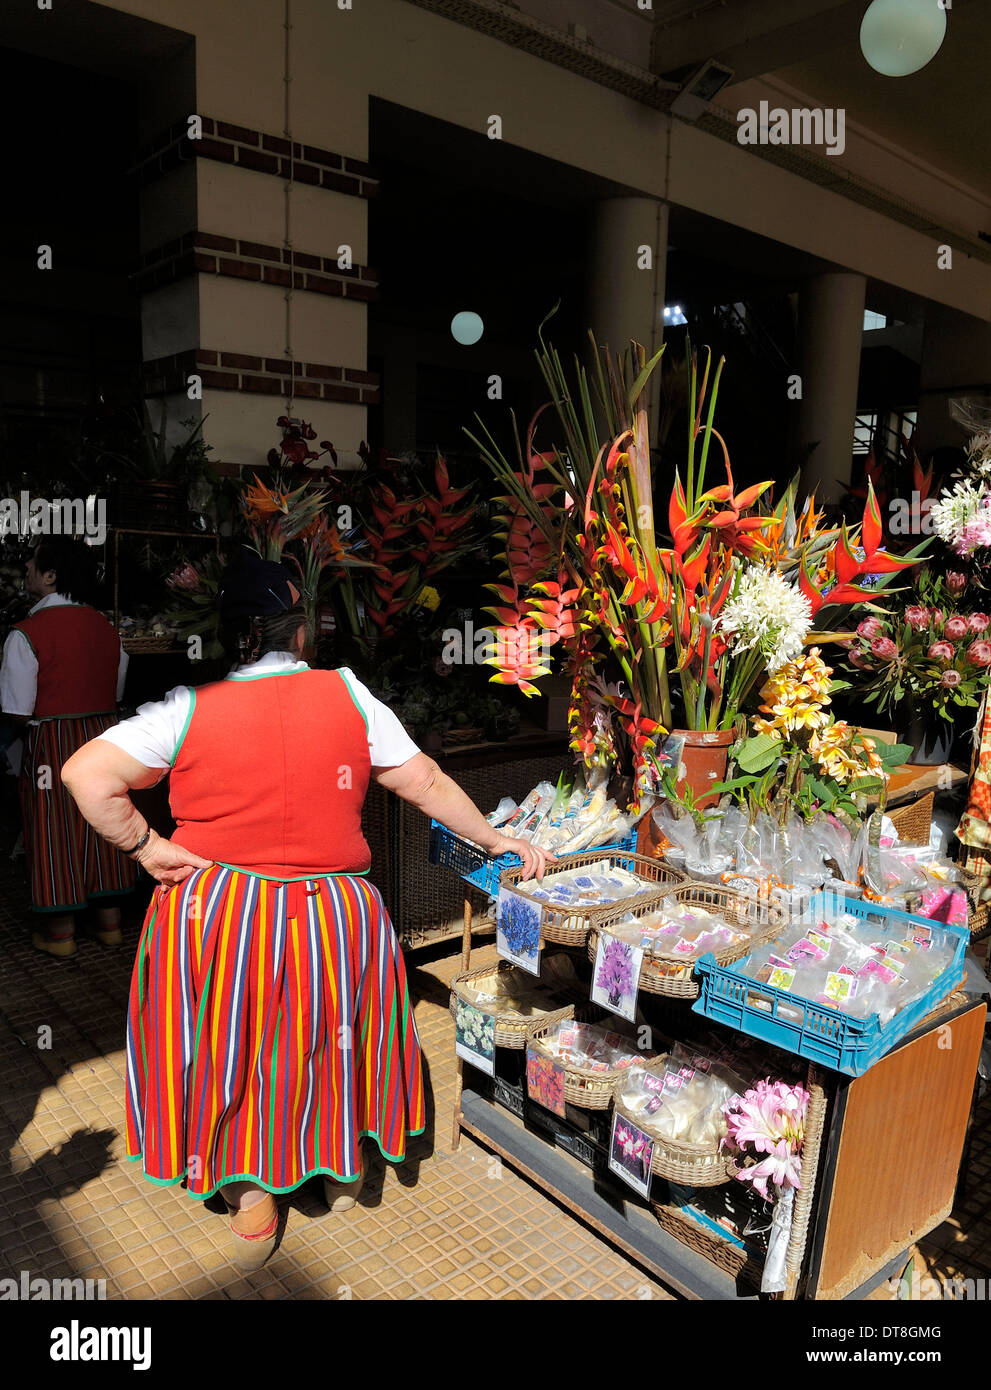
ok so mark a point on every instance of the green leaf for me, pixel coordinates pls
(864, 784)
(758, 753)
(734, 784)
(905, 1282)
(893, 754)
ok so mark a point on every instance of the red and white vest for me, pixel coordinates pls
(78, 655)
(271, 776)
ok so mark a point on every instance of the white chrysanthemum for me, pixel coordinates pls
(769, 613)
(956, 509)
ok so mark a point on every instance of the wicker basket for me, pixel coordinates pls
(716, 1249)
(510, 1027)
(671, 974)
(462, 738)
(914, 821)
(589, 1090)
(143, 646)
(691, 1165)
(740, 1263)
(567, 926)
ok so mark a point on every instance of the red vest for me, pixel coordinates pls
(271, 776)
(78, 655)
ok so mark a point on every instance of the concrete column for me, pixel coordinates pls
(831, 327)
(626, 272)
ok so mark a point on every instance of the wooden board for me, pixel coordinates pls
(901, 1131)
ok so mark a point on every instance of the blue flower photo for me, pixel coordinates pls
(518, 928)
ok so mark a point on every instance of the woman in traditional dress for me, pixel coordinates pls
(63, 672)
(269, 1026)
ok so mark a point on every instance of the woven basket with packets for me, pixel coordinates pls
(692, 1165)
(511, 1024)
(569, 925)
(583, 1086)
(670, 972)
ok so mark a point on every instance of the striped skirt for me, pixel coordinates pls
(269, 1030)
(68, 862)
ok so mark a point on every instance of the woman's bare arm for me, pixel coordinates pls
(99, 777)
(421, 782)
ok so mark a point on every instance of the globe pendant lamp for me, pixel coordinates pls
(899, 37)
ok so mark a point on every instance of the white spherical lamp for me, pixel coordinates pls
(466, 328)
(899, 37)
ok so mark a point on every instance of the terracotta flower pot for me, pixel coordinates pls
(704, 758)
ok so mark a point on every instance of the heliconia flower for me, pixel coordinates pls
(884, 649)
(978, 622)
(871, 628)
(979, 653)
(916, 617)
(940, 651)
(951, 678)
(956, 628)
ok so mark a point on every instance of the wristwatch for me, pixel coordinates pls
(141, 843)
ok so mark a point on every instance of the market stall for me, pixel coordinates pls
(736, 1025)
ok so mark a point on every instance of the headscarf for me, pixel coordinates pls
(251, 589)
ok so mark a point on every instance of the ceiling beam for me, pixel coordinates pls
(750, 38)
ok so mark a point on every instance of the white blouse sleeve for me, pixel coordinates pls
(389, 745)
(154, 734)
(18, 675)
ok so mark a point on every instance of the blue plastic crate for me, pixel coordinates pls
(825, 1035)
(474, 865)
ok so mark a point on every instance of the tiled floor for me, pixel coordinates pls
(443, 1225)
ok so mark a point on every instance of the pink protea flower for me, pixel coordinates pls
(951, 678)
(978, 622)
(869, 628)
(917, 618)
(884, 649)
(185, 578)
(940, 651)
(979, 653)
(937, 616)
(956, 582)
(859, 658)
(956, 628)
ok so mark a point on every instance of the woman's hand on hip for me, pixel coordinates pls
(168, 862)
(535, 860)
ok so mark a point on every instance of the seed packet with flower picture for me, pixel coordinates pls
(630, 1154)
(474, 1037)
(616, 975)
(518, 930)
(545, 1081)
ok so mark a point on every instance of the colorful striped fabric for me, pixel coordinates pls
(68, 861)
(269, 1029)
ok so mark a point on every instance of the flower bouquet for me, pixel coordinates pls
(931, 655)
(652, 635)
(766, 1130)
